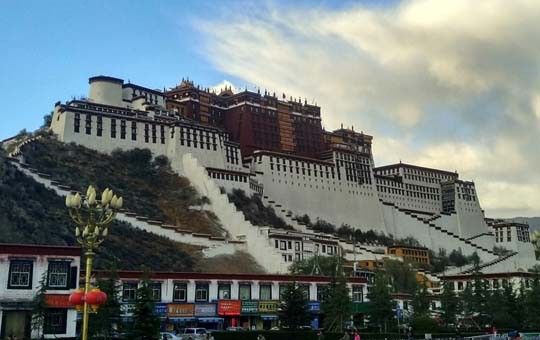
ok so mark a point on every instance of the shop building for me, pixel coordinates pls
(216, 301)
(22, 269)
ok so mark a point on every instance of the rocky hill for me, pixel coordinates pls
(33, 214)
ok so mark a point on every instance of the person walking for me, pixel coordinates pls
(356, 335)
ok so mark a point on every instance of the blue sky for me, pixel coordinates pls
(446, 84)
(50, 48)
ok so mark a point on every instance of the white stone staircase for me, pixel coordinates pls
(233, 220)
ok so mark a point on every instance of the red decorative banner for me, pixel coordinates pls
(58, 301)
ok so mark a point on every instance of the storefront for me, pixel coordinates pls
(207, 317)
(230, 311)
(180, 315)
(268, 313)
(249, 315)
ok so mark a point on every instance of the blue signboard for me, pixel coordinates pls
(160, 309)
(314, 306)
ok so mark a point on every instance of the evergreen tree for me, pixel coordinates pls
(338, 305)
(39, 306)
(532, 305)
(381, 303)
(466, 305)
(421, 301)
(510, 306)
(449, 304)
(520, 311)
(146, 324)
(479, 302)
(401, 275)
(495, 303)
(107, 320)
(294, 309)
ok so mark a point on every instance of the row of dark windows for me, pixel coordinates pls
(231, 154)
(229, 177)
(60, 275)
(189, 137)
(129, 292)
(123, 129)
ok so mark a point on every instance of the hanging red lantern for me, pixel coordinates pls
(77, 299)
(95, 298)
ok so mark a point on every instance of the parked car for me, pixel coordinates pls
(193, 334)
(235, 329)
(168, 336)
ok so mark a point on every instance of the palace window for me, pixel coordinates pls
(99, 126)
(162, 137)
(146, 133)
(154, 138)
(20, 274)
(88, 124)
(244, 292)
(180, 292)
(265, 292)
(129, 291)
(122, 129)
(113, 128)
(76, 123)
(55, 321)
(201, 292)
(133, 130)
(224, 291)
(58, 274)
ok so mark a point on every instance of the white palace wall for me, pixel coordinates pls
(319, 197)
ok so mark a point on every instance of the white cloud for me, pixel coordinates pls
(451, 84)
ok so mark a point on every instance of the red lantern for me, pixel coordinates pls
(77, 299)
(95, 298)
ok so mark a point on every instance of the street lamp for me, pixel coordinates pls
(91, 217)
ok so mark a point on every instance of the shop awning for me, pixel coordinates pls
(210, 320)
(269, 317)
(180, 319)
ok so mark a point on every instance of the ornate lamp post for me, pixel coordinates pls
(91, 216)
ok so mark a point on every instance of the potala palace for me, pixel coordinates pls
(276, 147)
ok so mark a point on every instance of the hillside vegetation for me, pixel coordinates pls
(32, 214)
(149, 186)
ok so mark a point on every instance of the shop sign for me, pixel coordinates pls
(314, 306)
(160, 309)
(250, 307)
(58, 301)
(205, 309)
(229, 307)
(180, 309)
(126, 309)
(268, 306)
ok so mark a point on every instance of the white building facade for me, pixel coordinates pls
(22, 269)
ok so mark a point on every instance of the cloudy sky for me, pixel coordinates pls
(447, 84)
